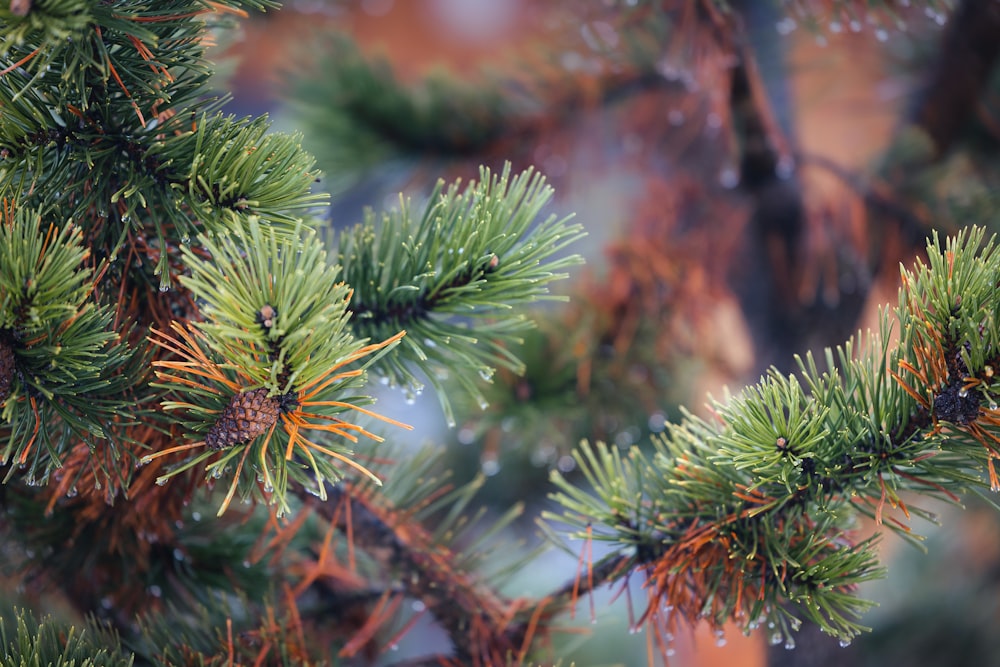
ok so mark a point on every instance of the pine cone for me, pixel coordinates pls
(6, 369)
(249, 414)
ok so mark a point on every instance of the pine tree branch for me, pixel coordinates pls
(475, 618)
(452, 278)
(743, 516)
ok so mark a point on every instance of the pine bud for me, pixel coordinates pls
(249, 414)
(6, 369)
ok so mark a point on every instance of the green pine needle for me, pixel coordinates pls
(749, 508)
(25, 642)
(453, 277)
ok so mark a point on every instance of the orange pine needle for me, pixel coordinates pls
(293, 611)
(332, 454)
(529, 632)
(229, 642)
(324, 554)
(236, 479)
(121, 84)
(364, 411)
(351, 560)
(575, 595)
(172, 450)
(590, 572)
(384, 609)
(20, 62)
(34, 434)
(909, 390)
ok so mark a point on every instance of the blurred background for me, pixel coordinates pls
(750, 175)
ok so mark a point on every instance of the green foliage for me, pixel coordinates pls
(120, 91)
(240, 278)
(27, 642)
(451, 278)
(238, 170)
(742, 517)
(362, 115)
(70, 367)
(266, 300)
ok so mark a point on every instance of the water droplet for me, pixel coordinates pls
(676, 117)
(155, 591)
(657, 422)
(164, 288)
(785, 167)
(196, 516)
(785, 26)
(418, 605)
(729, 177)
(126, 218)
(72, 492)
(490, 467)
(775, 638)
(486, 374)
(161, 481)
(246, 563)
(186, 240)
(836, 27)
(566, 463)
(789, 644)
(844, 643)
(178, 554)
(881, 35)
(466, 435)
(855, 25)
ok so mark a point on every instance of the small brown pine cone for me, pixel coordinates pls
(249, 414)
(6, 369)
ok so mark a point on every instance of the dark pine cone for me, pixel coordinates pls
(249, 414)
(6, 369)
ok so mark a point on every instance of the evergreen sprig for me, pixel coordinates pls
(364, 115)
(452, 277)
(24, 640)
(270, 362)
(742, 517)
(70, 370)
(120, 90)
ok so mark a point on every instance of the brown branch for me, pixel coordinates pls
(968, 56)
(478, 621)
